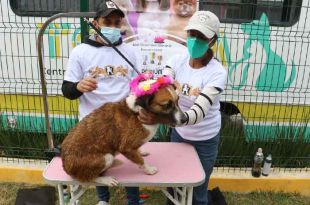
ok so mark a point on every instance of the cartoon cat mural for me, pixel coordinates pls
(272, 76)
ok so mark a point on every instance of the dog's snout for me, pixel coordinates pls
(179, 116)
(184, 118)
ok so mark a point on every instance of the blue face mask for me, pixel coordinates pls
(112, 34)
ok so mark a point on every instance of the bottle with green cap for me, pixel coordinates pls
(258, 160)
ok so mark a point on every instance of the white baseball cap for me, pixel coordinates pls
(204, 21)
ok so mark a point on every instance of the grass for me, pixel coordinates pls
(9, 193)
(266, 198)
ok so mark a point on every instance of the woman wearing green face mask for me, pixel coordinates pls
(200, 79)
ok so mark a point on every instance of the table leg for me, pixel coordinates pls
(182, 193)
(76, 192)
(190, 195)
(179, 196)
(61, 194)
(170, 197)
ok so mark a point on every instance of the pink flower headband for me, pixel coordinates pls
(145, 84)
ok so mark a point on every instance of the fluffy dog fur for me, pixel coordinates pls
(90, 147)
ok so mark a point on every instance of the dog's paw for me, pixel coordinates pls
(144, 153)
(108, 181)
(149, 169)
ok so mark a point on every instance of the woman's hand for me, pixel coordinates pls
(87, 84)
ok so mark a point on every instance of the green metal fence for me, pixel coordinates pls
(263, 44)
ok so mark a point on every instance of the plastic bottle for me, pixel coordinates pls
(267, 165)
(67, 196)
(258, 160)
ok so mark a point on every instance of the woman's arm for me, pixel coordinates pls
(70, 91)
(202, 104)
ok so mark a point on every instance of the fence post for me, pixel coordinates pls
(84, 7)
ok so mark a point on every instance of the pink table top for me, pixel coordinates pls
(177, 163)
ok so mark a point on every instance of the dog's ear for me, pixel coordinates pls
(144, 101)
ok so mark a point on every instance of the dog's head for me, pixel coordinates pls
(184, 8)
(163, 103)
(162, 100)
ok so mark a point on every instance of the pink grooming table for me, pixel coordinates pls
(177, 163)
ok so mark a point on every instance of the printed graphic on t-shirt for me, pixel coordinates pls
(109, 71)
(186, 89)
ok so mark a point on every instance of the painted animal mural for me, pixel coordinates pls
(272, 76)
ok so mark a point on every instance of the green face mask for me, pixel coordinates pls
(196, 47)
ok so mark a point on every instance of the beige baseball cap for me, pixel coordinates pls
(204, 21)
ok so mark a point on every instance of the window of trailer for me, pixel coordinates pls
(279, 12)
(48, 7)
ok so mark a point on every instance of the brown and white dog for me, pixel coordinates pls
(90, 147)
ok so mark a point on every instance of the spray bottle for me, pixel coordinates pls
(258, 160)
(267, 165)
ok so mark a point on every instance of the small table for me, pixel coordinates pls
(178, 167)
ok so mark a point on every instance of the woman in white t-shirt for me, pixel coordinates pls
(200, 80)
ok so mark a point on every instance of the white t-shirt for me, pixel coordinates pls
(113, 82)
(190, 82)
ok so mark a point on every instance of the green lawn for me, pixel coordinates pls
(8, 194)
